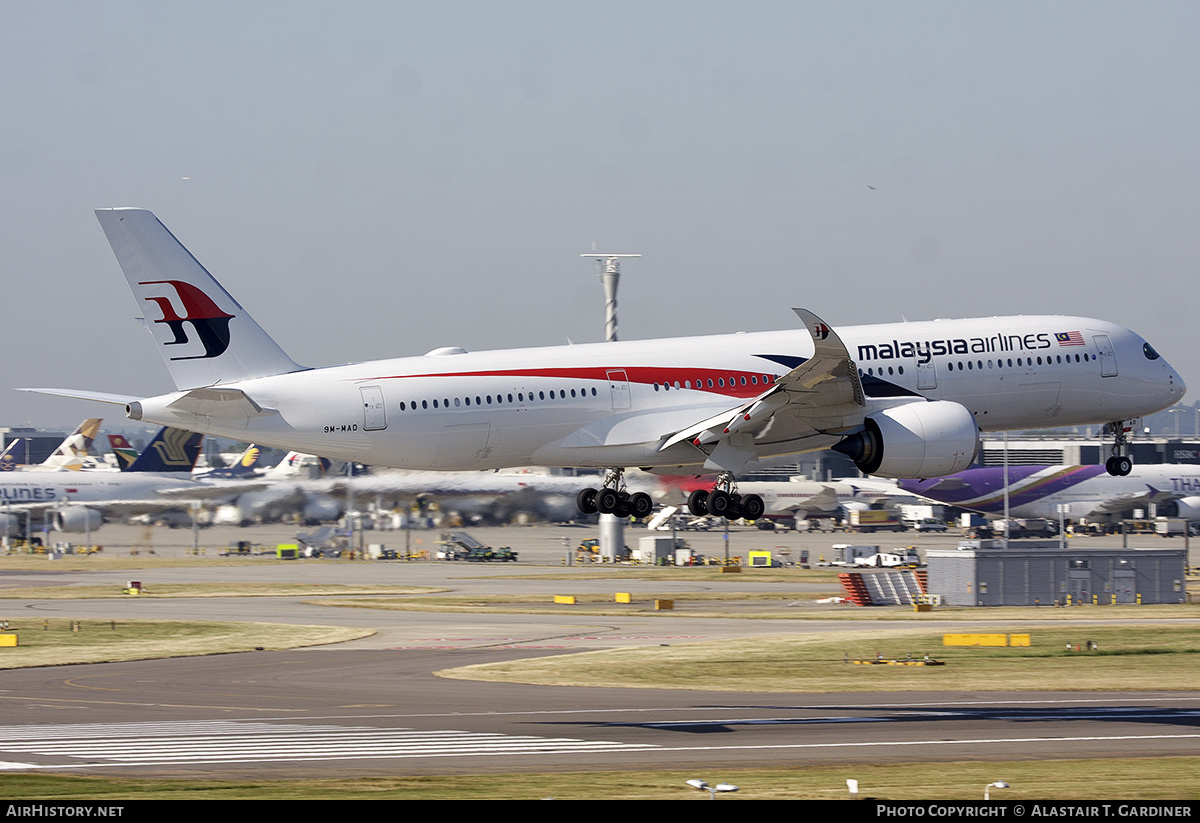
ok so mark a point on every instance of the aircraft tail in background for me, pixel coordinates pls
(171, 450)
(70, 454)
(125, 453)
(245, 466)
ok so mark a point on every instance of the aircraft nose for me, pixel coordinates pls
(1176, 388)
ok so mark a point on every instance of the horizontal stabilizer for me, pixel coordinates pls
(98, 396)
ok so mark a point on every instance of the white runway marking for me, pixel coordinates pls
(245, 742)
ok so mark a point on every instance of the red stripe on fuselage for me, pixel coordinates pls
(696, 379)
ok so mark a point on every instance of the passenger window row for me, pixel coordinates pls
(717, 383)
(1021, 363)
(496, 400)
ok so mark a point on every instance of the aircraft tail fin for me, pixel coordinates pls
(243, 467)
(171, 450)
(70, 453)
(10, 458)
(125, 453)
(203, 334)
(246, 462)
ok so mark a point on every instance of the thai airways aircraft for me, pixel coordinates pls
(902, 400)
(1089, 491)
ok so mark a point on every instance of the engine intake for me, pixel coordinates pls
(916, 440)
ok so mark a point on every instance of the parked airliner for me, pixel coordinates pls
(1088, 491)
(902, 400)
(78, 501)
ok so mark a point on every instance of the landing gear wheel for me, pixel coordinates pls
(753, 507)
(1119, 466)
(719, 503)
(586, 501)
(607, 501)
(641, 504)
(698, 503)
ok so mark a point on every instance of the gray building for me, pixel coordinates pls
(1038, 572)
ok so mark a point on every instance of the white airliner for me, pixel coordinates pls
(902, 400)
(77, 501)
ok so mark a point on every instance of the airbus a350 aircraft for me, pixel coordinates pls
(1037, 491)
(902, 400)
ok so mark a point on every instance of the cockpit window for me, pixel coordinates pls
(1149, 351)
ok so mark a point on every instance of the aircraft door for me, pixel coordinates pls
(374, 413)
(1108, 357)
(618, 385)
(926, 376)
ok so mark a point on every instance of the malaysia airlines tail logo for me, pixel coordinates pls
(820, 331)
(210, 324)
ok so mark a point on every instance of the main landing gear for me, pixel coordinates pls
(1119, 465)
(724, 501)
(613, 499)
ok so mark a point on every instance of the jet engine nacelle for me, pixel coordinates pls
(1186, 507)
(321, 509)
(916, 440)
(12, 525)
(77, 519)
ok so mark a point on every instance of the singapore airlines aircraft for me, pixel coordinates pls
(902, 400)
(78, 501)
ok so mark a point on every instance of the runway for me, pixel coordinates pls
(333, 712)
(374, 706)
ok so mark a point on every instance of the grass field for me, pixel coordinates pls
(1127, 657)
(58, 642)
(1133, 779)
(233, 589)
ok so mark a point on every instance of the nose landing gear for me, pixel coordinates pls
(1119, 465)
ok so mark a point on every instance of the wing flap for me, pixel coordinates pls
(821, 396)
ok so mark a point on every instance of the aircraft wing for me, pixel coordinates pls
(821, 396)
(952, 483)
(210, 491)
(823, 502)
(1123, 502)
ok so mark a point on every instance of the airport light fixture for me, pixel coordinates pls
(999, 784)
(696, 783)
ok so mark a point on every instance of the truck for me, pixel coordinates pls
(845, 554)
(1027, 527)
(875, 520)
(904, 557)
(975, 526)
(913, 514)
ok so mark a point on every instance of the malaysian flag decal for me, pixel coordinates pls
(1069, 338)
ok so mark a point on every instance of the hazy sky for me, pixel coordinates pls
(376, 179)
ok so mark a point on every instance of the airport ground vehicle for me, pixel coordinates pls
(874, 520)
